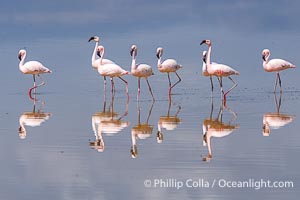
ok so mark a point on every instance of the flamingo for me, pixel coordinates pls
(32, 119)
(216, 128)
(167, 66)
(275, 65)
(140, 131)
(96, 62)
(168, 122)
(32, 67)
(219, 70)
(275, 120)
(140, 70)
(111, 69)
(108, 122)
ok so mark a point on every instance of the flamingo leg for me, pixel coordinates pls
(35, 85)
(169, 83)
(234, 85)
(276, 80)
(212, 85)
(139, 88)
(179, 80)
(150, 89)
(279, 81)
(221, 84)
(104, 81)
(113, 89)
(126, 83)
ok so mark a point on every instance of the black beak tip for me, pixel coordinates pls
(19, 56)
(203, 41)
(91, 38)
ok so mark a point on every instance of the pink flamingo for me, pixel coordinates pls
(140, 70)
(96, 62)
(167, 66)
(219, 70)
(275, 65)
(112, 70)
(32, 67)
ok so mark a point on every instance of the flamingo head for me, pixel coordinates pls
(208, 42)
(266, 129)
(265, 54)
(99, 50)
(204, 53)
(133, 50)
(22, 52)
(134, 151)
(159, 137)
(22, 132)
(95, 38)
(159, 52)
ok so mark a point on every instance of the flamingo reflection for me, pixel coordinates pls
(275, 120)
(32, 119)
(140, 131)
(216, 128)
(108, 122)
(168, 122)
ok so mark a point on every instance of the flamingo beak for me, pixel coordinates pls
(92, 38)
(131, 52)
(203, 41)
(20, 56)
(264, 57)
(99, 54)
(157, 55)
(204, 58)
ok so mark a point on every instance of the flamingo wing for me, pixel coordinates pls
(280, 64)
(35, 67)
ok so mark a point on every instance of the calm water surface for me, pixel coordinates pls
(77, 145)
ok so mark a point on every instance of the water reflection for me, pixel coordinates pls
(275, 120)
(215, 127)
(168, 122)
(32, 119)
(109, 122)
(140, 131)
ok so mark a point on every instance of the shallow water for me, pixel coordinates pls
(57, 159)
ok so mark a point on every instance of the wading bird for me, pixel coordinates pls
(32, 67)
(167, 66)
(112, 70)
(140, 71)
(219, 70)
(275, 65)
(96, 62)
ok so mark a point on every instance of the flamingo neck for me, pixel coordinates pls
(22, 61)
(159, 127)
(265, 63)
(208, 63)
(94, 55)
(102, 55)
(133, 139)
(159, 62)
(133, 62)
(208, 138)
(204, 66)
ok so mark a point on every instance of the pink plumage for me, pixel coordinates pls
(275, 65)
